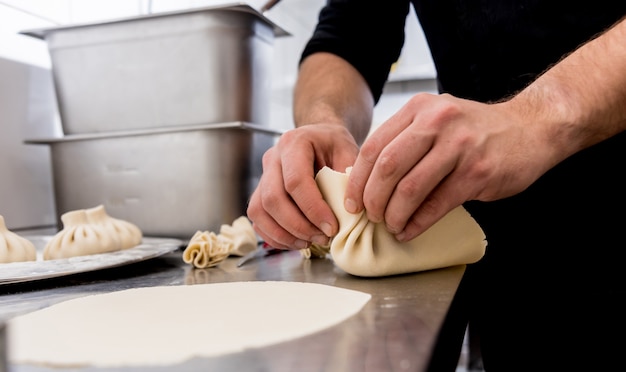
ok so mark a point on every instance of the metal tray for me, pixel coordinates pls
(19, 272)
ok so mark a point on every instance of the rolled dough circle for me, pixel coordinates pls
(171, 324)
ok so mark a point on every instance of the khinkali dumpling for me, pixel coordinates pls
(79, 237)
(242, 234)
(127, 233)
(14, 248)
(364, 248)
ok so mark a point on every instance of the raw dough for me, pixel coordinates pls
(128, 234)
(91, 231)
(208, 249)
(168, 325)
(367, 249)
(241, 233)
(79, 237)
(14, 248)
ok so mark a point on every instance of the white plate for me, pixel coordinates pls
(18, 272)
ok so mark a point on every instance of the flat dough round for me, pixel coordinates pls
(171, 324)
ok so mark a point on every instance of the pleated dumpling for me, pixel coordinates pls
(127, 233)
(79, 237)
(14, 248)
(364, 248)
(241, 234)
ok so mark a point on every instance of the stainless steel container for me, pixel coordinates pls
(170, 182)
(204, 65)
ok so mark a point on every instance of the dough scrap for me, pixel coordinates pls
(367, 249)
(14, 248)
(208, 249)
(167, 325)
(315, 251)
(241, 234)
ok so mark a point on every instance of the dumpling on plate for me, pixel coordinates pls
(14, 248)
(79, 237)
(127, 233)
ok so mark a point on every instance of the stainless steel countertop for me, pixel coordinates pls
(395, 331)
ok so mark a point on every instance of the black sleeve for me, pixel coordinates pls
(369, 34)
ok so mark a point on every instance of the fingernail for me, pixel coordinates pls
(325, 227)
(301, 244)
(350, 205)
(320, 239)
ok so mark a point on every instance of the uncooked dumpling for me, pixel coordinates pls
(242, 234)
(79, 237)
(14, 248)
(367, 249)
(206, 249)
(127, 233)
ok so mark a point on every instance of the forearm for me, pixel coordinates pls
(329, 90)
(582, 99)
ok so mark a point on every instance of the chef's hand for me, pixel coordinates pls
(287, 208)
(439, 151)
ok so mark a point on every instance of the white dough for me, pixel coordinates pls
(367, 249)
(169, 325)
(91, 231)
(79, 237)
(14, 248)
(206, 249)
(128, 234)
(241, 234)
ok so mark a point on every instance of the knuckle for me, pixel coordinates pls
(407, 188)
(291, 183)
(430, 209)
(387, 163)
(269, 200)
(369, 150)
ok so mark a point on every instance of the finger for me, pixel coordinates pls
(434, 207)
(267, 228)
(417, 185)
(280, 205)
(273, 211)
(367, 157)
(299, 183)
(395, 162)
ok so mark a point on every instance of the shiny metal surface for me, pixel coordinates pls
(203, 65)
(395, 331)
(171, 182)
